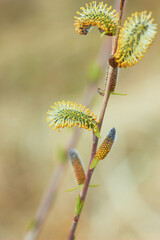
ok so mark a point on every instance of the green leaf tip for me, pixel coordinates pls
(94, 185)
(103, 34)
(94, 163)
(81, 187)
(72, 189)
(78, 205)
(97, 133)
(120, 94)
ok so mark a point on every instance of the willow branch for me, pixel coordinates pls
(95, 139)
(119, 26)
(51, 192)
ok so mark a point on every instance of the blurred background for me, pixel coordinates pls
(44, 60)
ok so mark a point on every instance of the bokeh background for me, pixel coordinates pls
(44, 60)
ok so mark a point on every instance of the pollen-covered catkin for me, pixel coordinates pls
(97, 15)
(69, 114)
(135, 38)
(106, 145)
(77, 166)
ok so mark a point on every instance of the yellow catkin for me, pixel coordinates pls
(77, 166)
(69, 114)
(106, 145)
(97, 14)
(136, 36)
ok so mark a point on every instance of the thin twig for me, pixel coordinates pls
(95, 139)
(119, 26)
(45, 204)
(90, 171)
(49, 195)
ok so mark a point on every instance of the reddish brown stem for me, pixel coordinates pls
(51, 192)
(95, 139)
(90, 171)
(118, 29)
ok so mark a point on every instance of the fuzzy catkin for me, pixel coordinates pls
(97, 15)
(69, 114)
(77, 166)
(106, 145)
(136, 36)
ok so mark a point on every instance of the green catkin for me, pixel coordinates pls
(97, 15)
(77, 166)
(69, 114)
(135, 38)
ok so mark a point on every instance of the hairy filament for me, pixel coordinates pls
(77, 166)
(97, 14)
(69, 114)
(106, 145)
(135, 38)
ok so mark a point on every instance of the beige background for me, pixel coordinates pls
(44, 60)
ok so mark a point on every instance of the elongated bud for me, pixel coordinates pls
(105, 147)
(69, 114)
(135, 38)
(77, 166)
(114, 78)
(97, 15)
(112, 61)
(101, 92)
